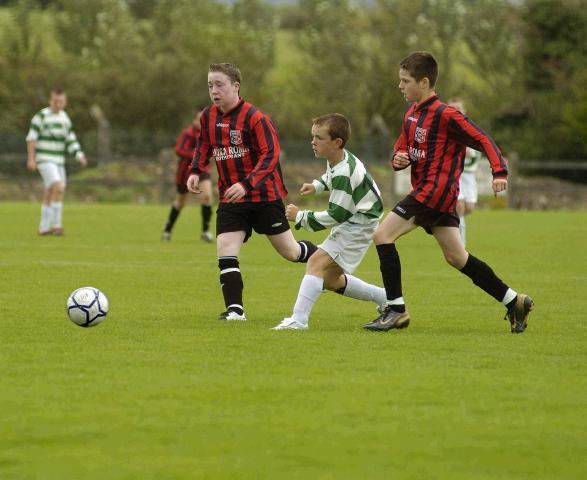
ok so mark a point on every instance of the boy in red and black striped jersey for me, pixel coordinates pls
(243, 142)
(433, 141)
(184, 148)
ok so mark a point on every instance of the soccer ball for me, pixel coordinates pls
(87, 306)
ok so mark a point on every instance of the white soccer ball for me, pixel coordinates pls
(87, 306)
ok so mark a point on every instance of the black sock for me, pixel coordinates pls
(512, 303)
(341, 290)
(173, 214)
(391, 273)
(484, 278)
(206, 216)
(307, 249)
(231, 283)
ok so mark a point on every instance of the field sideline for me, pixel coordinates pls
(163, 390)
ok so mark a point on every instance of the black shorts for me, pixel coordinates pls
(266, 218)
(184, 170)
(425, 217)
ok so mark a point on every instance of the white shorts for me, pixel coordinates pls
(348, 243)
(468, 187)
(51, 173)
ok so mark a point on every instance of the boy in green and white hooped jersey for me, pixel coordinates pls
(50, 136)
(354, 210)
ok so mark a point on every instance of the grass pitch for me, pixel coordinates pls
(163, 390)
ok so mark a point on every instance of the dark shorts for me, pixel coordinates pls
(425, 217)
(184, 170)
(266, 218)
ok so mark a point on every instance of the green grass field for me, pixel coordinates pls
(163, 390)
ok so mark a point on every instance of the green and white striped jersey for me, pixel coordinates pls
(354, 197)
(471, 159)
(54, 135)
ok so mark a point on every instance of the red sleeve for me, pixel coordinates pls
(184, 147)
(265, 138)
(202, 151)
(464, 131)
(401, 144)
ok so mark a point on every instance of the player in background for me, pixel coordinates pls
(50, 135)
(433, 140)
(184, 148)
(354, 210)
(243, 143)
(467, 199)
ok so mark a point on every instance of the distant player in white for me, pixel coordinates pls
(354, 210)
(50, 136)
(467, 199)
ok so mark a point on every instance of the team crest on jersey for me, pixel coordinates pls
(236, 137)
(420, 135)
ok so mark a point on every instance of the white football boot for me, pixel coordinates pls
(290, 324)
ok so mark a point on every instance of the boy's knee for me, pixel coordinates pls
(57, 188)
(379, 236)
(456, 260)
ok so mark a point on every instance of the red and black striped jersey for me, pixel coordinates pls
(245, 147)
(187, 141)
(436, 136)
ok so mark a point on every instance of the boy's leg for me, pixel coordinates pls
(353, 287)
(309, 291)
(176, 207)
(57, 194)
(392, 228)
(206, 197)
(518, 305)
(462, 223)
(46, 213)
(228, 247)
(288, 247)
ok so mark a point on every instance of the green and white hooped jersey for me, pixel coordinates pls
(471, 159)
(354, 197)
(54, 135)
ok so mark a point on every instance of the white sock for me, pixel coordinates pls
(46, 214)
(396, 301)
(57, 208)
(509, 296)
(462, 228)
(310, 290)
(357, 288)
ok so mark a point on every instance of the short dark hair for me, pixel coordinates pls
(229, 69)
(338, 126)
(421, 65)
(57, 91)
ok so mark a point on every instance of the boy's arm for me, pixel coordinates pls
(400, 159)
(31, 142)
(185, 145)
(320, 184)
(201, 154)
(31, 147)
(266, 139)
(468, 133)
(73, 147)
(341, 207)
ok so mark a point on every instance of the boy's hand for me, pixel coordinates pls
(291, 211)
(400, 160)
(193, 182)
(31, 164)
(307, 189)
(234, 192)
(83, 161)
(499, 185)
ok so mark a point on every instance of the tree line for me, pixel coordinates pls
(521, 67)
